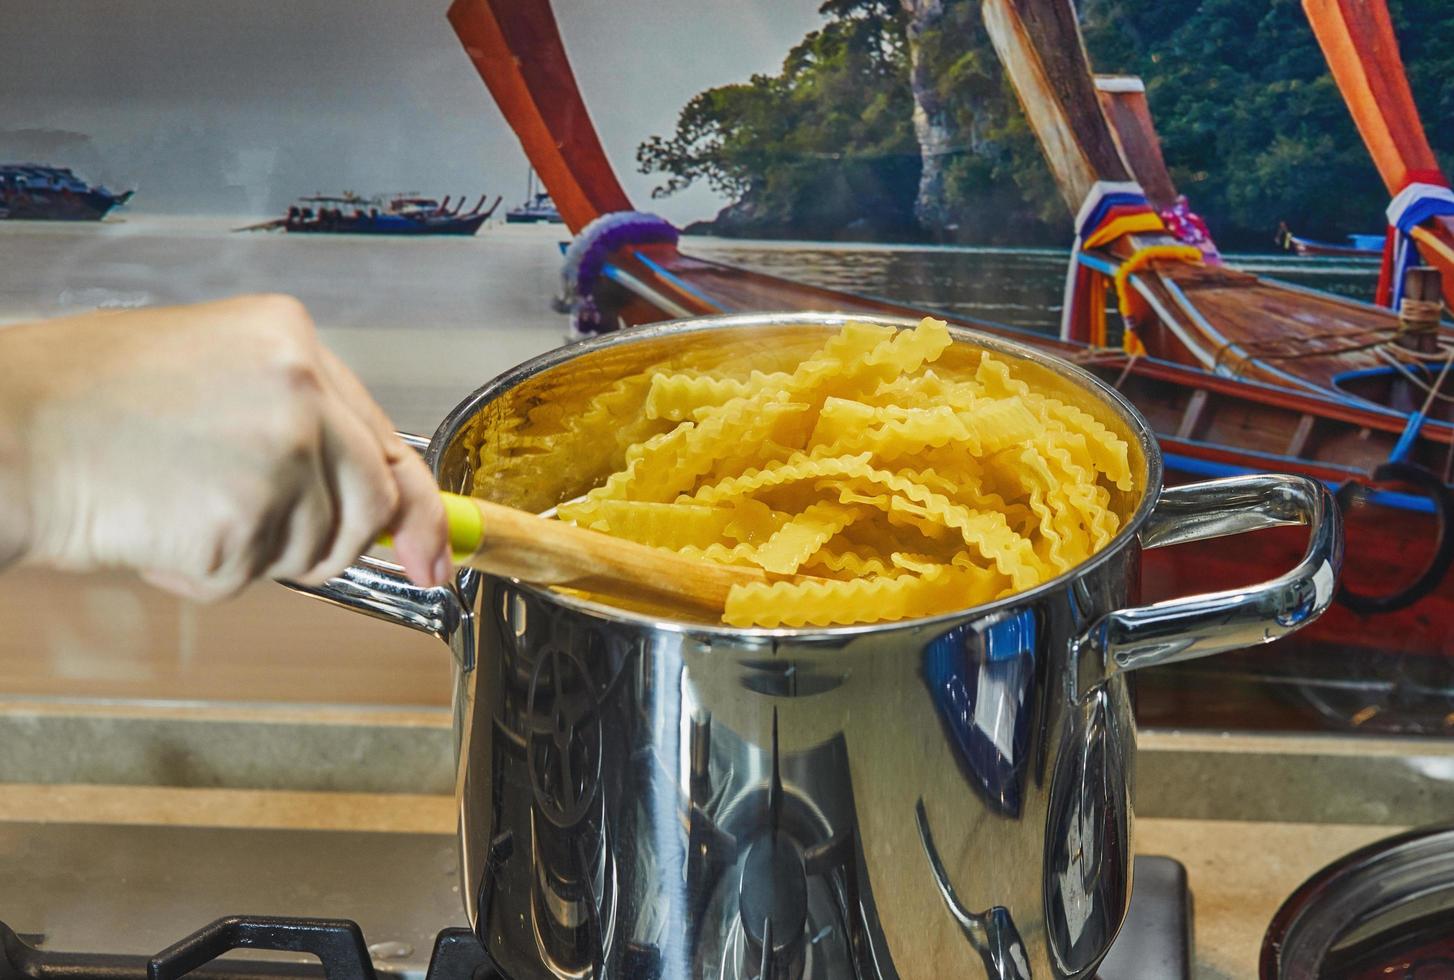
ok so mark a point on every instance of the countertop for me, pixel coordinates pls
(1250, 816)
(1240, 871)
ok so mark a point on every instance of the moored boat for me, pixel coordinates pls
(538, 208)
(402, 214)
(1173, 303)
(34, 192)
(1362, 51)
(1366, 434)
(1357, 246)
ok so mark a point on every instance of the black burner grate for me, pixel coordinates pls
(338, 944)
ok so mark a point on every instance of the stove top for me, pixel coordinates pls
(338, 945)
(96, 902)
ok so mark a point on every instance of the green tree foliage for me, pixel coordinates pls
(1252, 126)
(815, 149)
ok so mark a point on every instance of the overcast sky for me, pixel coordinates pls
(238, 106)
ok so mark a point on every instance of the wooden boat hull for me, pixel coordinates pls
(1223, 320)
(1394, 532)
(531, 219)
(1379, 538)
(1387, 672)
(55, 206)
(1208, 426)
(1313, 249)
(389, 225)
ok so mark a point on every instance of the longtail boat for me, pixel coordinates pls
(402, 214)
(1358, 41)
(1180, 306)
(36, 192)
(1357, 246)
(1210, 423)
(1177, 306)
(1123, 104)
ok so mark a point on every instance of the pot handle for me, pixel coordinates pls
(1200, 625)
(380, 589)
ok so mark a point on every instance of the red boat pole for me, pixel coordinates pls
(518, 52)
(1361, 48)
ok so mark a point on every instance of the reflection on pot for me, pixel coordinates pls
(992, 933)
(1088, 829)
(979, 678)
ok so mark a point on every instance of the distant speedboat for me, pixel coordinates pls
(34, 192)
(402, 214)
(1357, 246)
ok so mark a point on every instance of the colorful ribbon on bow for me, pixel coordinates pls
(1111, 211)
(588, 255)
(1426, 196)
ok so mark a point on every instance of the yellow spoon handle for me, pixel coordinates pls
(466, 527)
(534, 549)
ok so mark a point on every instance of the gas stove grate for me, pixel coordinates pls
(1155, 944)
(338, 944)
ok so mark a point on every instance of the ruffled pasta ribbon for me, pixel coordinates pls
(899, 491)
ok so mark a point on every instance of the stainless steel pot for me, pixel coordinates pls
(946, 797)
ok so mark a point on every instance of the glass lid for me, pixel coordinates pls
(1385, 911)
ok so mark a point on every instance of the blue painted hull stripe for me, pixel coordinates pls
(1373, 372)
(1210, 468)
(1405, 442)
(1100, 265)
(677, 282)
(1272, 459)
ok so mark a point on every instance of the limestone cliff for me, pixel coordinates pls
(933, 123)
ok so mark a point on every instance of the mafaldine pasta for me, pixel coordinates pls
(896, 490)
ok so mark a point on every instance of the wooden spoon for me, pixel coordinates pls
(517, 544)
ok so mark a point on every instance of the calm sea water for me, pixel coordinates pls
(503, 278)
(425, 321)
(1021, 287)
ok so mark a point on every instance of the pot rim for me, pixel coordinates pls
(472, 405)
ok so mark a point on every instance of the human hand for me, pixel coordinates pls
(205, 446)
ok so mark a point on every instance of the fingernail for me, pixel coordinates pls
(442, 568)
